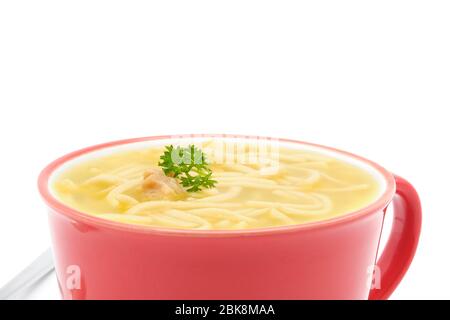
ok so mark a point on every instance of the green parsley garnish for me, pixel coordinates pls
(189, 165)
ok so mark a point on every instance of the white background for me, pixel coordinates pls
(370, 77)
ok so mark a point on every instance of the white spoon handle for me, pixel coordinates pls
(30, 275)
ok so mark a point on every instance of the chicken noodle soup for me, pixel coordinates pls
(301, 186)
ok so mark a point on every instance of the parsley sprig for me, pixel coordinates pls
(189, 165)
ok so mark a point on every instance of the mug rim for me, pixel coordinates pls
(56, 205)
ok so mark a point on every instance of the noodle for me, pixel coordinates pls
(103, 179)
(112, 195)
(168, 221)
(304, 187)
(166, 204)
(345, 189)
(126, 218)
(188, 217)
(281, 216)
(232, 193)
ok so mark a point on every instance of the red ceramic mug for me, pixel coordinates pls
(330, 259)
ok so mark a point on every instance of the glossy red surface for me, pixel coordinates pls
(403, 239)
(332, 259)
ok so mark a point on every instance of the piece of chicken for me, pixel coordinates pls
(157, 186)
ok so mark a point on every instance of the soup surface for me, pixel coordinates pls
(284, 187)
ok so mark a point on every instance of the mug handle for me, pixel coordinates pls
(402, 242)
